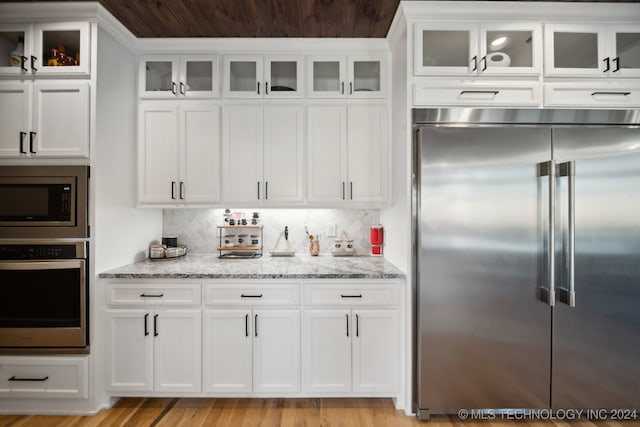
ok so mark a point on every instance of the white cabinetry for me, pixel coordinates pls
(54, 48)
(339, 76)
(57, 377)
(591, 50)
(257, 76)
(346, 149)
(184, 76)
(252, 346)
(179, 153)
(352, 343)
(262, 154)
(153, 347)
(46, 118)
(467, 49)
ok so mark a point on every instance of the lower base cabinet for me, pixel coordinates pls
(154, 350)
(252, 351)
(351, 351)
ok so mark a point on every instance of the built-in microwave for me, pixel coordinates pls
(44, 202)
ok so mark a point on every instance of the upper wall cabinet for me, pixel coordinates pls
(171, 77)
(592, 50)
(464, 49)
(338, 76)
(44, 49)
(257, 76)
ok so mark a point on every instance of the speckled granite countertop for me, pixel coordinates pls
(209, 266)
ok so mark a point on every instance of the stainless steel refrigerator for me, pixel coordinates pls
(526, 259)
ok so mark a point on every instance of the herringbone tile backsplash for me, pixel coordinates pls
(196, 228)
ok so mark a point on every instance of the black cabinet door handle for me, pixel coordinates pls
(32, 136)
(266, 88)
(266, 190)
(258, 88)
(155, 326)
(23, 60)
(357, 326)
(14, 378)
(255, 325)
(607, 65)
(475, 63)
(182, 92)
(146, 325)
(342, 88)
(616, 60)
(173, 88)
(343, 195)
(33, 63)
(351, 190)
(246, 325)
(173, 190)
(182, 190)
(258, 190)
(484, 63)
(22, 135)
(350, 88)
(347, 316)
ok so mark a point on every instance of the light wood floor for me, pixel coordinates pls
(137, 412)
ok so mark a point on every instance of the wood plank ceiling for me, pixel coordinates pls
(254, 18)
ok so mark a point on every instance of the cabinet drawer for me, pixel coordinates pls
(252, 295)
(153, 294)
(558, 95)
(55, 377)
(351, 295)
(458, 93)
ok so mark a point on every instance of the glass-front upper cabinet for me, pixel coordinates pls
(499, 49)
(257, 76)
(338, 76)
(44, 49)
(192, 76)
(592, 50)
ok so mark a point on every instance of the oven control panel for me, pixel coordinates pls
(39, 251)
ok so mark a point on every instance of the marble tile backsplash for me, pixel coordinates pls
(197, 229)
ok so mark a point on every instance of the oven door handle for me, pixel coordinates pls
(42, 265)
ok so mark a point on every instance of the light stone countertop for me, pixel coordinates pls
(209, 266)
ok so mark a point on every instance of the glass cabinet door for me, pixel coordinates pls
(507, 50)
(198, 76)
(625, 51)
(367, 76)
(158, 77)
(575, 50)
(283, 76)
(327, 75)
(242, 76)
(14, 50)
(445, 49)
(60, 48)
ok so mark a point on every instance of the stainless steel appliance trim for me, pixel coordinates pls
(462, 116)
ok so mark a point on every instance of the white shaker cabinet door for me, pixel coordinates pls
(14, 119)
(158, 153)
(227, 351)
(129, 350)
(326, 154)
(326, 350)
(276, 351)
(200, 153)
(177, 352)
(242, 131)
(376, 351)
(367, 158)
(61, 119)
(282, 151)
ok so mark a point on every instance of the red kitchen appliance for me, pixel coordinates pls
(376, 239)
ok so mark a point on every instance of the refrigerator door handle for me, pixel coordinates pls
(569, 296)
(549, 169)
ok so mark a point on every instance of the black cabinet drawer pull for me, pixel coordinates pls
(350, 296)
(14, 378)
(151, 295)
(250, 296)
(611, 93)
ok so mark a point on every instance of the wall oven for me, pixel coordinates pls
(44, 288)
(44, 202)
